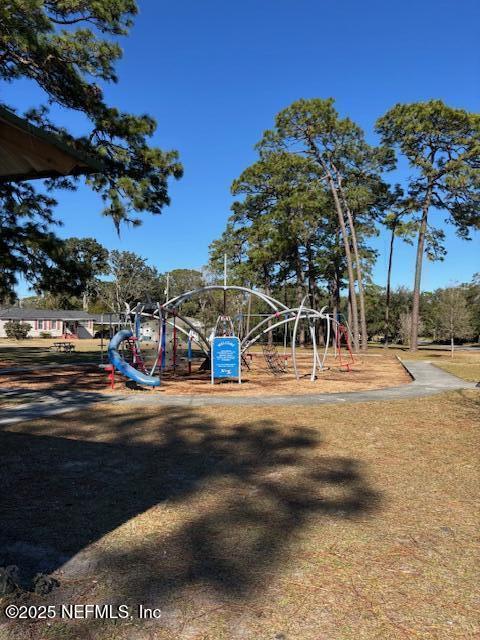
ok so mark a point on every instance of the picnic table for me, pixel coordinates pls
(66, 347)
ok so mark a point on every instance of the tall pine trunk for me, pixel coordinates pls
(345, 238)
(358, 268)
(335, 284)
(312, 283)
(418, 272)
(300, 287)
(266, 279)
(348, 258)
(361, 291)
(386, 330)
(349, 310)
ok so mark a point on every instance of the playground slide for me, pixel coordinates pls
(123, 367)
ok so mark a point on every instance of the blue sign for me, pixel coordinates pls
(226, 357)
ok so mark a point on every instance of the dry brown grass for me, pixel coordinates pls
(467, 369)
(338, 523)
(88, 344)
(36, 351)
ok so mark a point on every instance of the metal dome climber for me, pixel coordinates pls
(168, 314)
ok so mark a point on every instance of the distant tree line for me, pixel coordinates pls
(116, 278)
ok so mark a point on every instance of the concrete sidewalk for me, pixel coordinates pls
(427, 380)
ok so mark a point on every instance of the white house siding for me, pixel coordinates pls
(55, 328)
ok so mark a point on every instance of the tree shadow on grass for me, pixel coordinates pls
(48, 380)
(241, 493)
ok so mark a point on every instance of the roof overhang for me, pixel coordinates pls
(28, 153)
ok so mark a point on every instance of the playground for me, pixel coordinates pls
(30, 366)
(276, 351)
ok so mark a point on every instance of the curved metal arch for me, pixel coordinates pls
(279, 309)
(160, 338)
(307, 314)
(157, 315)
(271, 328)
(158, 312)
(185, 332)
(204, 347)
(293, 311)
(194, 328)
(178, 300)
(313, 337)
(294, 337)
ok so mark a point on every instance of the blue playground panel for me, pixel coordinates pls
(226, 357)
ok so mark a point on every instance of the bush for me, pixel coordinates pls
(17, 330)
(45, 334)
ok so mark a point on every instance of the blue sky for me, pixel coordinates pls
(215, 73)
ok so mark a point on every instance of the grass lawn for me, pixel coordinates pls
(33, 351)
(333, 522)
(463, 368)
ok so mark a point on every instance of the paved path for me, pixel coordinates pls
(28, 405)
(427, 380)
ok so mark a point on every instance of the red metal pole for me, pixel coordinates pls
(174, 342)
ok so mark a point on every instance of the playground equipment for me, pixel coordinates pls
(152, 341)
(275, 362)
(341, 332)
(132, 372)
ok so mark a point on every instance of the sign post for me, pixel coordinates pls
(226, 358)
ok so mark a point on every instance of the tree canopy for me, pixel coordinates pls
(347, 164)
(442, 145)
(70, 49)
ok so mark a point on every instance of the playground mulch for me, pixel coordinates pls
(367, 373)
(374, 372)
(346, 522)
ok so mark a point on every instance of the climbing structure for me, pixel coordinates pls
(342, 338)
(276, 363)
(136, 356)
(155, 330)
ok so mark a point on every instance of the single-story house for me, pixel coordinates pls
(74, 324)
